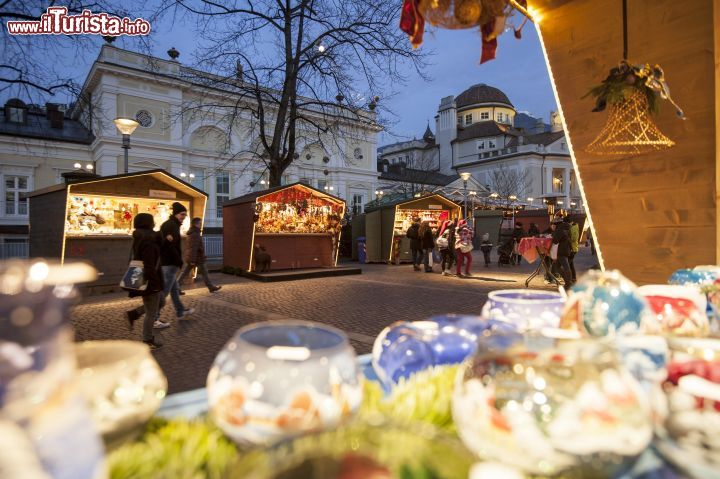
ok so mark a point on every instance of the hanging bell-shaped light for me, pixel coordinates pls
(629, 130)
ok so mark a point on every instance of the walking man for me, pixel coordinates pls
(415, 244)
(171, 260)
(195, 256)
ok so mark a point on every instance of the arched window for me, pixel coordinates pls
(15, 111)
(209, 138)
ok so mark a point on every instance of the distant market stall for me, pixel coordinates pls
(387, 223)
(296, 225)
(91, 218)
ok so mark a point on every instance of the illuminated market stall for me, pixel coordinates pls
(92, 218)
(296, 225)
(388, 222)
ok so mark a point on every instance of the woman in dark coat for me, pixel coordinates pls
(427, 242)
(146, 248)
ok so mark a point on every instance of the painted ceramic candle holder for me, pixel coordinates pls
(605, 303)
(406, 347)
(693, 401)
(525, 309)
(551, 406)
(122, 383)
(678, 310)
(282, 378)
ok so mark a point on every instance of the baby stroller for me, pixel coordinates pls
(505, 252)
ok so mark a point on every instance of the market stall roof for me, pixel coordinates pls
(160, 175)
(405, 199)
(252, 197)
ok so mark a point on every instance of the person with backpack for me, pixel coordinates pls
(415, 243)
(463, 248)
(195, 256)
(146, 248)
(486, 248)
(427, 242)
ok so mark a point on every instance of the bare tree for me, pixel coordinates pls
(419, 174)
(299, 72)
(508, 182)
(32, 66)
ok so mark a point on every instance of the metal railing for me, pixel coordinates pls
(14, 250)
(213, 246)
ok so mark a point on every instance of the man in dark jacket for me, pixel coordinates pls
(517, 235)
(171, 260)
(561, 238)
(146, 248)
(415, 243)
(195, 255)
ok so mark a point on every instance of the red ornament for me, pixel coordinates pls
(412, 22)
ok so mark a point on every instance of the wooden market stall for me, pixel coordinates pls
(656, 212)
(297, 225)
(91, 218)
(387, 223)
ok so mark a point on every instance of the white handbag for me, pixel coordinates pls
(430, 259)
(554, 251)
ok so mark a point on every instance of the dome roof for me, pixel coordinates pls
(481, 93)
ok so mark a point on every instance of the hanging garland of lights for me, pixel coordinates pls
(488, 15)
(632, 93)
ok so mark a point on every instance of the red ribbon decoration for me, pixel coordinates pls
(489, 47)
(412, 22)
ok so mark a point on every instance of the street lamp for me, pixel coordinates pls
(126, 126)
(465, 175)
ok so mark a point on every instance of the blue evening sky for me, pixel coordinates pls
(519, 70)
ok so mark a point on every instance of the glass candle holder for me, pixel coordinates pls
(122, 383)
(605, 303)
(407, 347)
(282, 378)
(678, 310)
(525, 309)
(40, 406)
(551, 406)
(693, 401)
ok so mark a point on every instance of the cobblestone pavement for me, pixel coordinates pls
(360, 305)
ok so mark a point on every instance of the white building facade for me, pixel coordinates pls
(198, 147)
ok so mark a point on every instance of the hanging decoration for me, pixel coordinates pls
(488, 15)
(632, 93)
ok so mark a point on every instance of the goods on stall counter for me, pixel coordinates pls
(403, 218)
(606, 303)
(679, 310)
(298, 213)
(693, 394)
(406, 347)
(527, 310)
(707, 279)
(279, 379)
(551, 406)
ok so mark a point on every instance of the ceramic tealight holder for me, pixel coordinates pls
(693, 401)
(278, 379)
(551, 406)
(407, 347)
(605, 303)
(122, 383)
(526, 309)
(678, 310)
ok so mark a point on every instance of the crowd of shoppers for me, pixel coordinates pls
(161, 253)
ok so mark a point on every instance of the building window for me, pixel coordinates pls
(468, 119)
(222, 191)
(321, 184)
(358, 200)
(562, 146)
(499, 117)
(16, 188)
(573, 184)
(305, 181)
(481, 144)
(485, 115)
(459, 119)
(198, 179)
(557, 180)
(145, 118)
(16, 115)
(385, 167)
(491, 144)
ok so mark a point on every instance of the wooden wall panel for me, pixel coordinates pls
(653, 213)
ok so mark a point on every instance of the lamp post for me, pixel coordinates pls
(512, 199)
(126, 126)
(465, 175)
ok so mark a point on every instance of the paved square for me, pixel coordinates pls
(360, 305)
